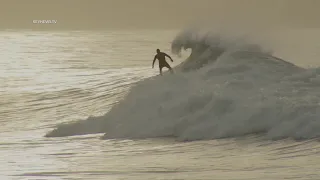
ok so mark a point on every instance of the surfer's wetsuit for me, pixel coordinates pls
(162, 61)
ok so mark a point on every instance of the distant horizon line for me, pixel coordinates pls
(87, 29)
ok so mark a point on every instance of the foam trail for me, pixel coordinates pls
(226, 88)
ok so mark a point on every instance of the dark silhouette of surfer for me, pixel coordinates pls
(161, 56)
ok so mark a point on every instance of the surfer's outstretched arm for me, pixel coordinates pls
(154, 60)
(168, 56)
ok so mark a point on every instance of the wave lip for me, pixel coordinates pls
(225, 88)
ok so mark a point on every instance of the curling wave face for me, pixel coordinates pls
(226, 88)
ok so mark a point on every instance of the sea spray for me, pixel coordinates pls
(225, 88)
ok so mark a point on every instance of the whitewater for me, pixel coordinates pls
(225, 88)
(88, 105)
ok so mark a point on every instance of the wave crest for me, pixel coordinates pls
(225, 88)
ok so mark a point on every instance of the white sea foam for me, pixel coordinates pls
(226, 88)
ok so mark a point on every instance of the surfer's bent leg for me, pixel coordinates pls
(171, 70)
(160, 68)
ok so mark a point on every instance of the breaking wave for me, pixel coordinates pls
(225, 88)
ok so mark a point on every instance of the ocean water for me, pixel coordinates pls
(88, 105)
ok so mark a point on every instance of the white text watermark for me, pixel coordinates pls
(44, 21)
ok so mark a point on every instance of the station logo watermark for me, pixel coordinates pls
(44, 21)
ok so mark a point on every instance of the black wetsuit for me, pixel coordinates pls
(162, 61)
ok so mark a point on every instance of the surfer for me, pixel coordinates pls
(161, 56)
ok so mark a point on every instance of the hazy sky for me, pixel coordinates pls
(93, 14)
